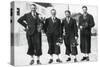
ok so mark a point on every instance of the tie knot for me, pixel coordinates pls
(34, 14)
(53, 18)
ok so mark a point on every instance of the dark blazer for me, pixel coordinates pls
(85, 32)
(53, 32)
(28, 20)
(71, 31)
(89, 20)
(50, 27)
(33, 34)
(70, 28)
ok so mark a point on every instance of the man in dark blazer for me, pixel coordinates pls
(86, 22)
(32, 24)
(70, 34)
(52, 29)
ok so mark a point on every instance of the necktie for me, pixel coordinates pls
(34, 15)
(53, 19)
(68, 20)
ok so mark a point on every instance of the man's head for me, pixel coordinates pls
(33, 7)
(67, 13)
(53, 12)
(84, 9)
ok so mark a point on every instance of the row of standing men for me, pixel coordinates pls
(57, 31)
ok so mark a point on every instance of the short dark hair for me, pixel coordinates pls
(84, 7)
(33, 5)
(67, 11)
(53, 9)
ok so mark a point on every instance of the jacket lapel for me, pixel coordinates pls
(32, 18)
(67, 21)
(51, 21)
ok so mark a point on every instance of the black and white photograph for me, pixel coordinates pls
(53, 33)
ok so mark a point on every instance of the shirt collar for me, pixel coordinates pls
(33, 13)
(53, 17)
(68, 18)
(85, 14)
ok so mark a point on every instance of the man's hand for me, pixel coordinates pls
(64, 34)
(26, 28)
(81, 27)
(39, 27)
(58, 44)
(76, 37)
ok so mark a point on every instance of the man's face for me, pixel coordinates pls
(33, 8)
(67, 14)
(84, 10)
(53, 12)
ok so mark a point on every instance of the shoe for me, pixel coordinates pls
(58, 60)
(51, 60)
(38, 62)
(87, 58)
(84, 58)
(75, 60)
(32, 62)
(69, 59)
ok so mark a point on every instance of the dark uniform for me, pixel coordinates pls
(52, 30)
(32, 33)
(87, 22)
(70, 33)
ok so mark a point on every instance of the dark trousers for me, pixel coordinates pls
(69, 42)
(34, 44)
(85, 42)
(53, 48)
